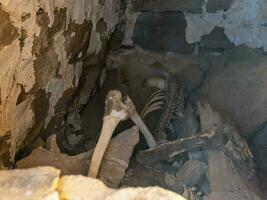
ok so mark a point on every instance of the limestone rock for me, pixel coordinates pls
(239, 89)
(70, 188)
(193, 6)
(190, 174)
(30, 184)
(82, 188)
(162, 32)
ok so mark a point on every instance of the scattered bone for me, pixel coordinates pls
(116, 110)
(190, 174)
(170, 149)
(34, 184)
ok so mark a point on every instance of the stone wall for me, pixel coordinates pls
(206, 23)
(46, 46)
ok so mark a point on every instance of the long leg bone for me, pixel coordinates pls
(116, 110)
(114, 113)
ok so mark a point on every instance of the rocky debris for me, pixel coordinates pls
(45, 183)
(32, 184)
(190, 174)
(193, 6)
(112, 169)
(162, 32)
(239, 89)
(67, 164)
(216, 39)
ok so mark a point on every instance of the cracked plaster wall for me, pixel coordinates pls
(243, 21)
(43, 45)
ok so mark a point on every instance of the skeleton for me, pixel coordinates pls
(169, 99)
(117, 109)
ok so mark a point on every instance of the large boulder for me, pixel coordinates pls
(239, 89)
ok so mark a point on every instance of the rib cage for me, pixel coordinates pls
(170, 103)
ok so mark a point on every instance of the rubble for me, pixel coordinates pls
(189, 175)
(112, 168)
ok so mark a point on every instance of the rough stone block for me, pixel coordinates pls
(239, 89)
(162, 32)
(190, 174)
(216, 39)
(30, 184)
(215, 5)
(193, 6)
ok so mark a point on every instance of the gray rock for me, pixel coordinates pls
(215, 5)
(240, 88)
(259, 147)
(222, 175)
(190, 125)
(216, 39)
(237, 195)
(193, 6)
(190, 174)
(162, 32)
